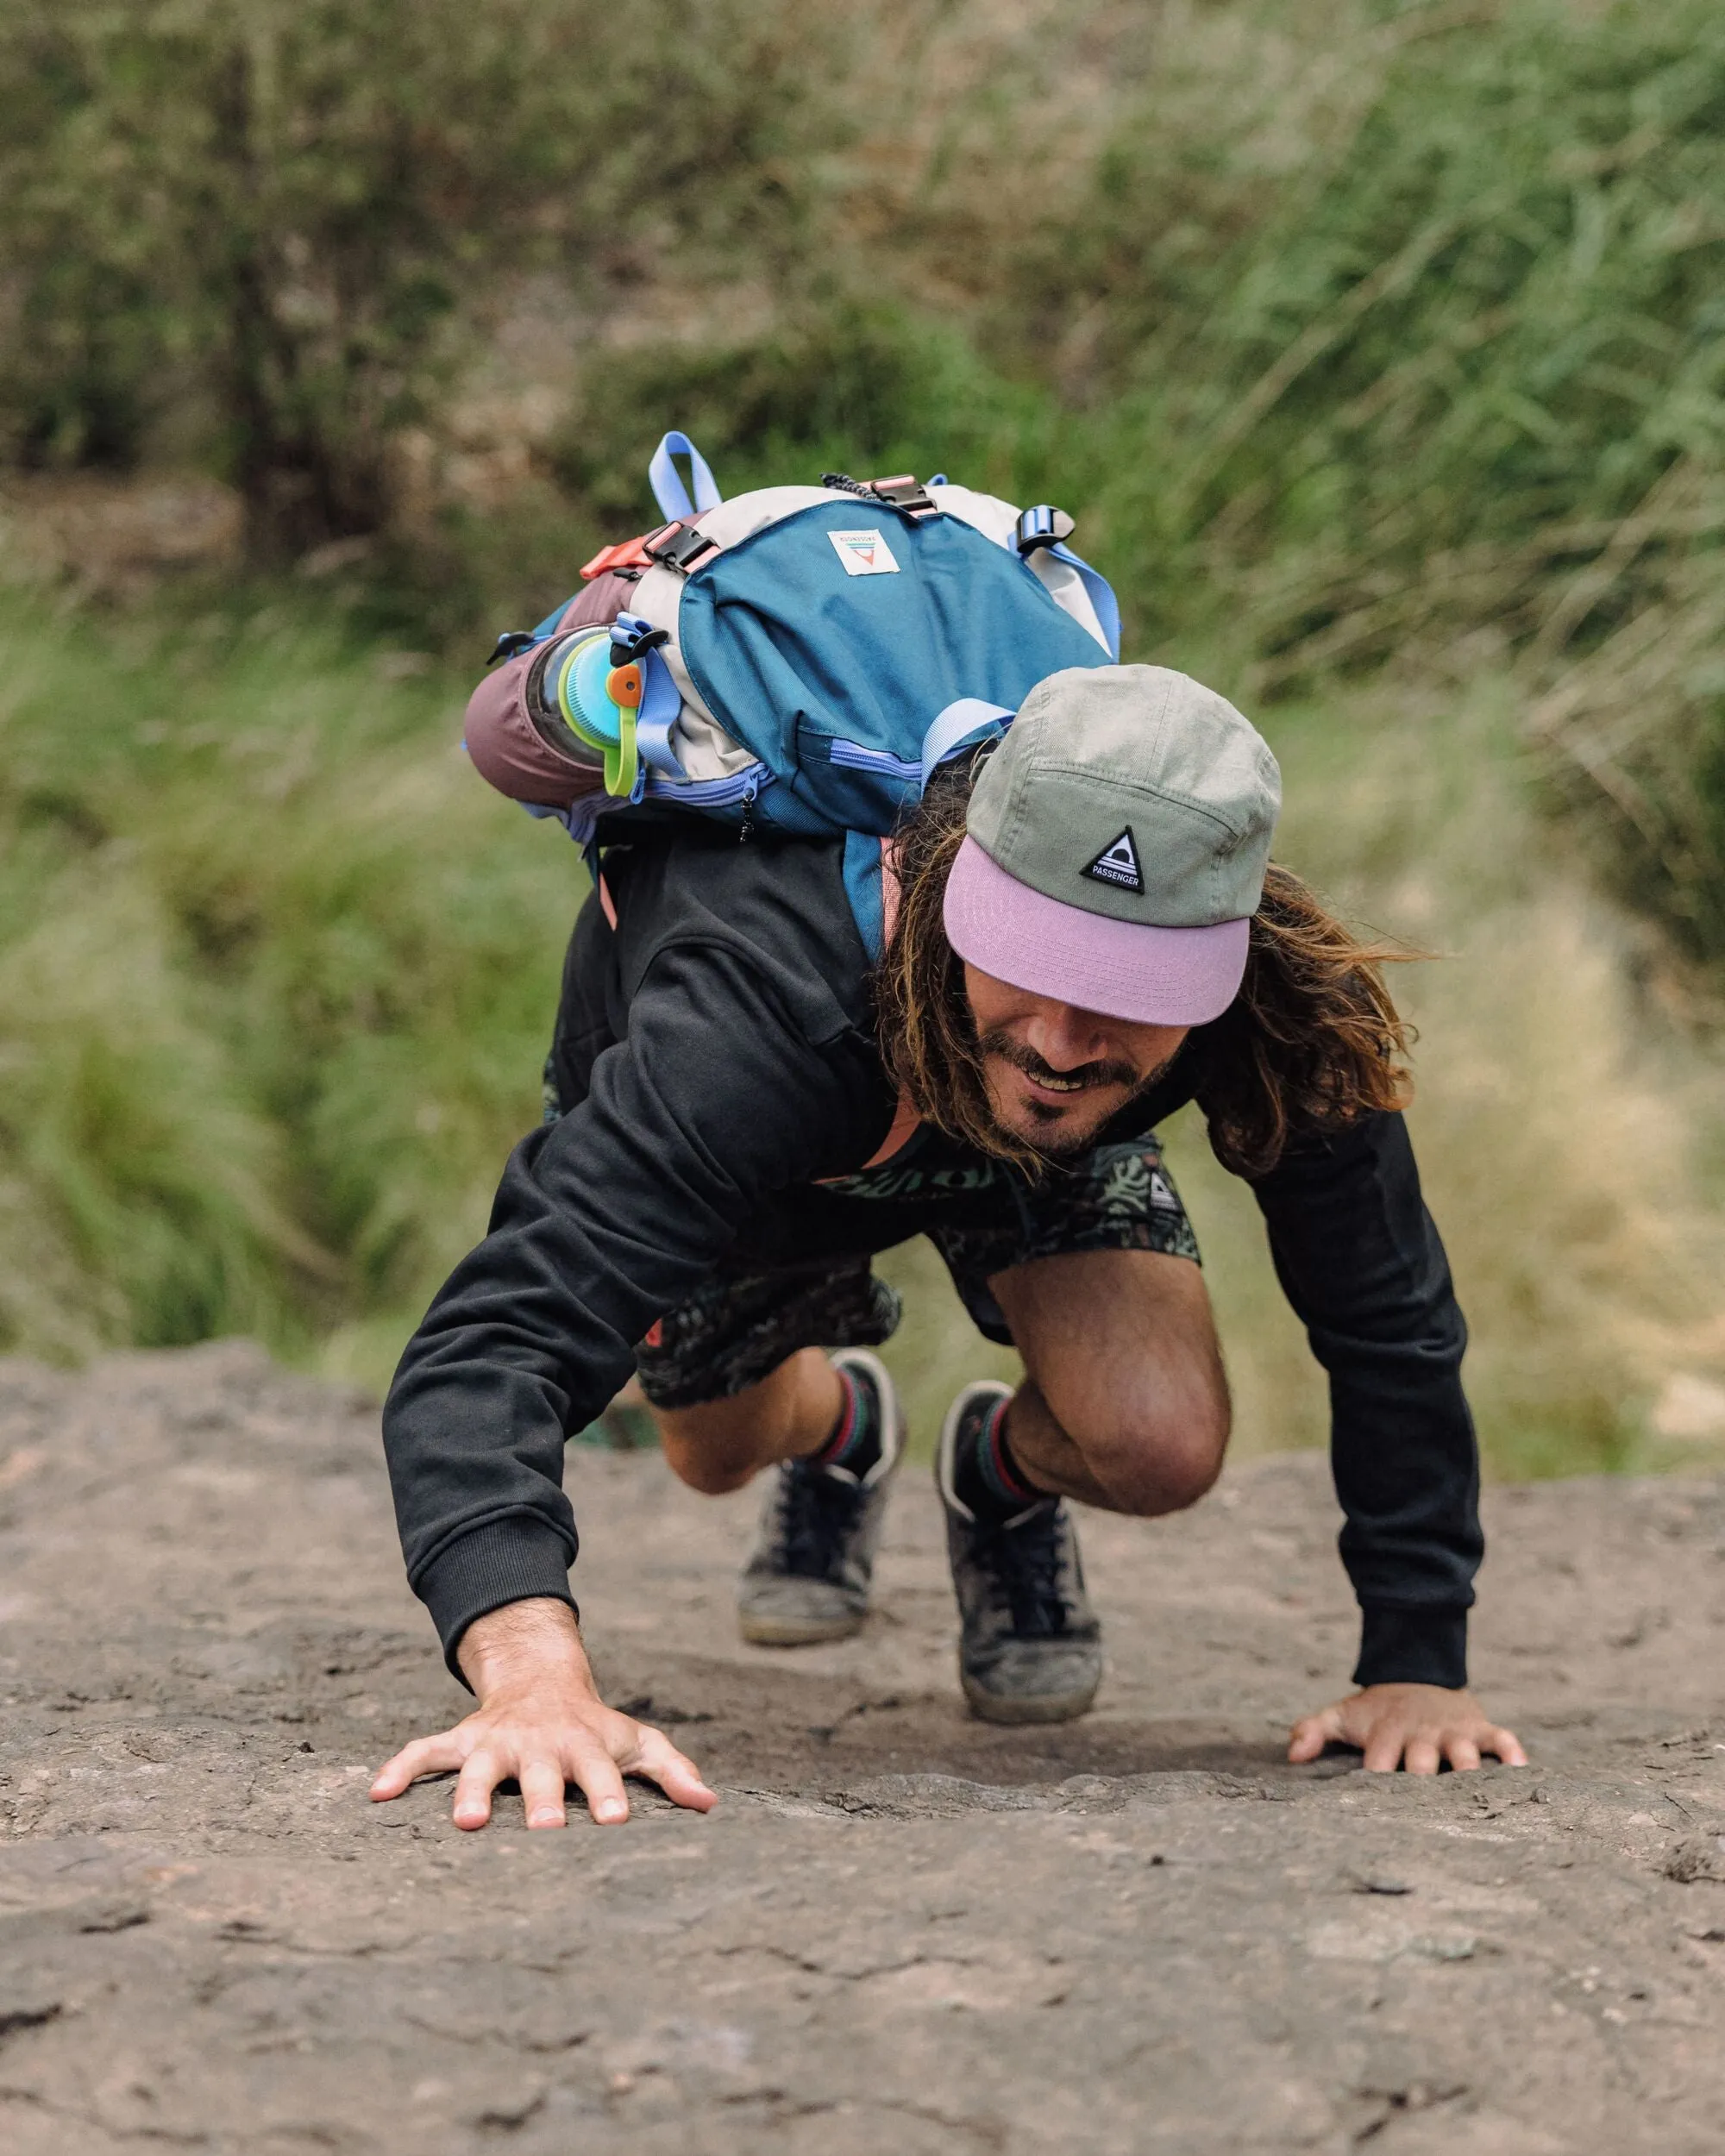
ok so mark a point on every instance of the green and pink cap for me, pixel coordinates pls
(1115, 847)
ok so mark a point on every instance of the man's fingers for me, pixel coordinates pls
(682, 1783)
(580, 1755)
(658, 1758)
(1416, 1726)
(426, 1754)
(593, 1768)
(478, 1778)
(542, 1793)
(1313, 1732)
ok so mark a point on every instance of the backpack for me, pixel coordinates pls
(796, 659)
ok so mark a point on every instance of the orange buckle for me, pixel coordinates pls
(627, 554)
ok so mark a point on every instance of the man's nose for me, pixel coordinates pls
(1065, 1037)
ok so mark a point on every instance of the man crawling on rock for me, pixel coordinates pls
(1087, 934)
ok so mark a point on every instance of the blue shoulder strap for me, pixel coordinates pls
(861, 869)
(968, 720)
(1101, 595)
(661, 704)
(667, 482)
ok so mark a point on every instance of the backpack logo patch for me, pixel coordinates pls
(1117, 864)
(864, 553)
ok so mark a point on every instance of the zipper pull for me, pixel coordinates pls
(746, 829)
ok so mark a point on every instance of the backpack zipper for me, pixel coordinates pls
(852, 756)
(741, 786)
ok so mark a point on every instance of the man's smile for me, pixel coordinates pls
(1042, 1078)
(1076, 1081)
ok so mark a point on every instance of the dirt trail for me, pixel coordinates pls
(901, 1932)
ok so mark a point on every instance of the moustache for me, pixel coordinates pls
(1084, 1078)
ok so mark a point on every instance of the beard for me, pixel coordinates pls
(1059, 1130)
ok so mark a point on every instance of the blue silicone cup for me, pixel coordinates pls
(581, 694)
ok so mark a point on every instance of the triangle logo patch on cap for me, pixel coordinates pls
(1117, 864)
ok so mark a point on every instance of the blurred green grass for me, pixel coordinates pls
(276, 969)
(279, 971)
(1378, 347)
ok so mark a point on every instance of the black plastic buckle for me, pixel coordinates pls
(633, 641)
(510, 645)
(904, 491)
(1041, 527)
(678, 545)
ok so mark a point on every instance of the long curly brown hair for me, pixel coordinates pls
(1312, 1042)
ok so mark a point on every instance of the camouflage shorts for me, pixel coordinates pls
(741, 1326)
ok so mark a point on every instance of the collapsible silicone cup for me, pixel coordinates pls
(592, 716)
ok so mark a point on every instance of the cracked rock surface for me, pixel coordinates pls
(902, 1933)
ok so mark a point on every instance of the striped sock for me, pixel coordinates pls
(987, 1477)
(855, 1442)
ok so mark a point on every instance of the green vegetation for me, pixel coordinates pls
(279, 223)
(1364, 334)
(278, 973)
(1378, 347)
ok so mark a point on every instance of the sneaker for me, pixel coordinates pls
(808, 1579)
(1030, 1647)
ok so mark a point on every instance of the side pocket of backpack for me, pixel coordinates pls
(509, 752)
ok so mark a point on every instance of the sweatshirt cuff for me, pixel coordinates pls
(1408, 1645)
(507, 1560)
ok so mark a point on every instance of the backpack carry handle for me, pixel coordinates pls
(667, 482)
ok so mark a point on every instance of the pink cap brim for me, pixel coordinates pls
(1152, 977)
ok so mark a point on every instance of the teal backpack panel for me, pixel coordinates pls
(848, 644)
(828, 643)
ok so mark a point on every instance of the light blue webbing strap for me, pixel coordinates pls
(578, 819)
(667, 482)
(1101, 593)
(969, 717)
(661, 704)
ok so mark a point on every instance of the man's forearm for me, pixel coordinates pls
(1363, 1266)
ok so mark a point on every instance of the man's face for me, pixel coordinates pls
(1055, 1074)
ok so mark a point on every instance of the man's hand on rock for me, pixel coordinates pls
(541, 1720)
(1415, 1725)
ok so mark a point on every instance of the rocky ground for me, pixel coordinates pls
(901, 1932)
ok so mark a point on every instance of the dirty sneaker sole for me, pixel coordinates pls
(761, 1628)
(1016, 1707)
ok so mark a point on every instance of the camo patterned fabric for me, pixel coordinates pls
(739, 1327)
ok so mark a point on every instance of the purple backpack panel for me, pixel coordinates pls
(508, 750)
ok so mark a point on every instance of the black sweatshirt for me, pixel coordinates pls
(715, 1057)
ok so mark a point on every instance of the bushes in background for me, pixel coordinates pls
(270, 232)
(278, 971)
(1378, 349)
(278, 974)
